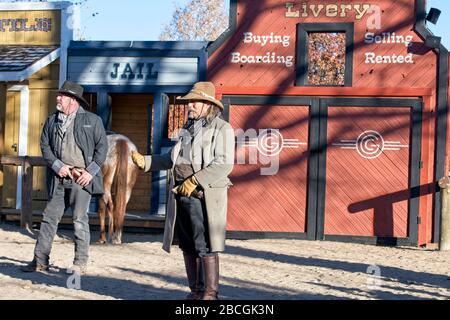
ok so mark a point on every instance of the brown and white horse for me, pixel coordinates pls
(119, 177)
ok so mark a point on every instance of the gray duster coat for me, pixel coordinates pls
(212, 156)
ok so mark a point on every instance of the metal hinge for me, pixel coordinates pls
(419, 220)
(420, 164)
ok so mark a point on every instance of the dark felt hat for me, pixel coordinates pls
(74, 90)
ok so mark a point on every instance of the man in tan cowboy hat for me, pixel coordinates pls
(73, 142)
(199, 164)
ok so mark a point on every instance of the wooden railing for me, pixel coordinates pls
(27, 163)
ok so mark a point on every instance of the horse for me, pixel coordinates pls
(119, 177)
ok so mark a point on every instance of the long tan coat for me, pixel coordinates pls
(212, 156)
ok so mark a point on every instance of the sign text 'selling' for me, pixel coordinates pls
(329, 10)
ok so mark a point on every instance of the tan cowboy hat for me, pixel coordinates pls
(203, 91)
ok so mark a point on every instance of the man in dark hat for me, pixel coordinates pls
(73, 142)
(199, 163)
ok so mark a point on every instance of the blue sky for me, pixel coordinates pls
(126, 19)
(442, 29)
(144, 19)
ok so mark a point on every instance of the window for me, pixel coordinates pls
(177, 116)
(326, 58)
(324, 54)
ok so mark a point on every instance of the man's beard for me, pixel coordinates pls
(191, 115)
(59, 107)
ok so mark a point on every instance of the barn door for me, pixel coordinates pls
(369, 170)
(11, 147)
(274, 167)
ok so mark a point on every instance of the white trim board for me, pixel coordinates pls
(29, 6)
(32, 69)
(23, 135)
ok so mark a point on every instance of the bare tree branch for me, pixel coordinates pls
(201, 20)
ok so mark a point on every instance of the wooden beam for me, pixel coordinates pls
(2, 134)
(26, 218)
(18, 161)
(44, 84)
(145, 221)
(326, 91)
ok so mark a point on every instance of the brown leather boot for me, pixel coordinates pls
(34, 266)
(211, 265)
(194, 272)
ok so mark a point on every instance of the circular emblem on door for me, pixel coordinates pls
(370, 144)
(270, 142)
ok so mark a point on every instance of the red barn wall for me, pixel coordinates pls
(416, 79)
(262, 17)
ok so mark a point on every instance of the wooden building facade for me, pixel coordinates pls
(340, 111)
(34, 38)
(133, 86)
(344, 104)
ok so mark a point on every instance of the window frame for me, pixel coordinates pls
(302, 50)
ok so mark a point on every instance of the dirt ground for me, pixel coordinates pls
(250, 269)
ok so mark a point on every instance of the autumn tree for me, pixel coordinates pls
(326, 54)
(199, 20)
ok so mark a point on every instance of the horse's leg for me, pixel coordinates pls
(110, 210)
(101, 216)
(108, 179)
(132, 173)
(121, 219)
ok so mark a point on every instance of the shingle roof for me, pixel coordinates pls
(19, 57)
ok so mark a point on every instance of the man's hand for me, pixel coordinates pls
(84, 179)
(76, 173)
(187, 187)
(138, 159)
(64, 171)
(444, 182)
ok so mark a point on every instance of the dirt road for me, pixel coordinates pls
(251, 269)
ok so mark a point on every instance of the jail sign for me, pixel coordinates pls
(131, 71)
(98, 70)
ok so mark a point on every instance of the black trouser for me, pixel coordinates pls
(192, 226)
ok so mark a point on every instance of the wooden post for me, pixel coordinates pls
(104, 109)
(26, 218)
(444, 243)
(2, 134)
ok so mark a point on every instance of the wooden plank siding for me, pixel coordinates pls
(278, 202)
(2, 134)
(52, 37)
(130, 118)
(43, 87)
(264, 17)
(354, 183)
(447, 163)
(43, 91)
(12, 120)
(350, 180)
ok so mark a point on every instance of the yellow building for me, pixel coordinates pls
(34, 38)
